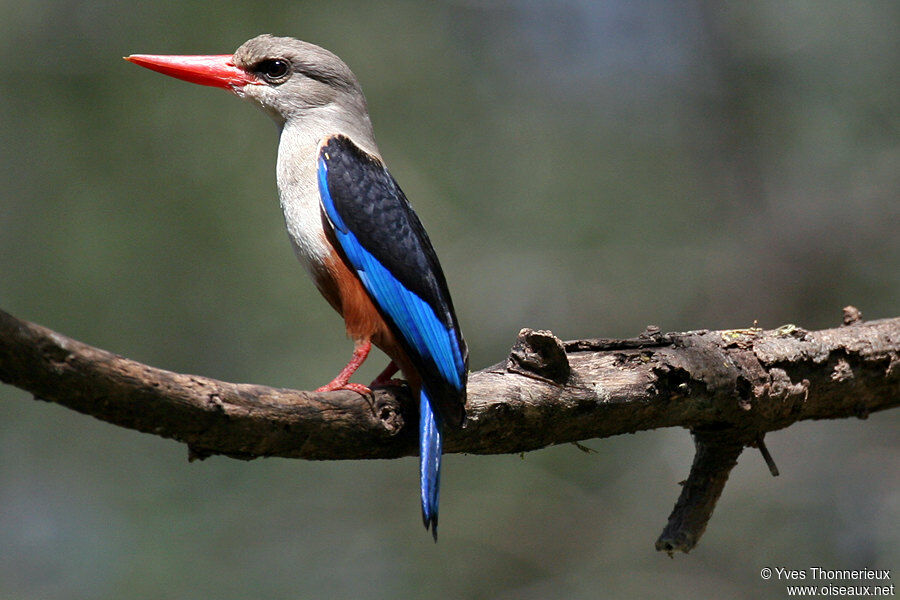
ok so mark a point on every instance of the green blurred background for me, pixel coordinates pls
(586, 167)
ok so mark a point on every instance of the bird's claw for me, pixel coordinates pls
(353, 387)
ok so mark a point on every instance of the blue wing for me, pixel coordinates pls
(383, 240)
(381, 237)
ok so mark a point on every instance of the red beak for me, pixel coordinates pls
(217, 71)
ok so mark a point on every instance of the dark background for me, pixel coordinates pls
(585, 167)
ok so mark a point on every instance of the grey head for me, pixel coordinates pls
(299, 81)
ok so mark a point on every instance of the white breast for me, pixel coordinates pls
(298, 187)
(299, 193)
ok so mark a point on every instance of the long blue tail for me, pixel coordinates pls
(430, 442)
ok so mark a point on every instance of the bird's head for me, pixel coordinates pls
(289, 79)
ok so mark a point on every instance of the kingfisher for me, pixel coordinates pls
(352, 227)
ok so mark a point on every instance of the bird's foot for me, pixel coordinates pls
(342, 381)
(336, 385)
(385, 378)
(388, 383)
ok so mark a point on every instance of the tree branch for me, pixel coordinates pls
(728, 387)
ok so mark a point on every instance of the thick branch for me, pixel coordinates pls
(546, 393)
(728, 387)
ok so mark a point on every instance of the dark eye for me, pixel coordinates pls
(273, 69)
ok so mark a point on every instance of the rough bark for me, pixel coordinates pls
(728, 387)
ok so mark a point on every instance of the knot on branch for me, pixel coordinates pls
(389, 410)
(852, 315)
(539, 355)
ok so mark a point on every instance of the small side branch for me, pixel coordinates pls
(717, 453)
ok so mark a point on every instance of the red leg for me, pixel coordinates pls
(342, 381)
(384, 378)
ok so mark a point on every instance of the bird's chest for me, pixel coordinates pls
(299, 194)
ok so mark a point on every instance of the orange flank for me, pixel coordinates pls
(346, 294)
